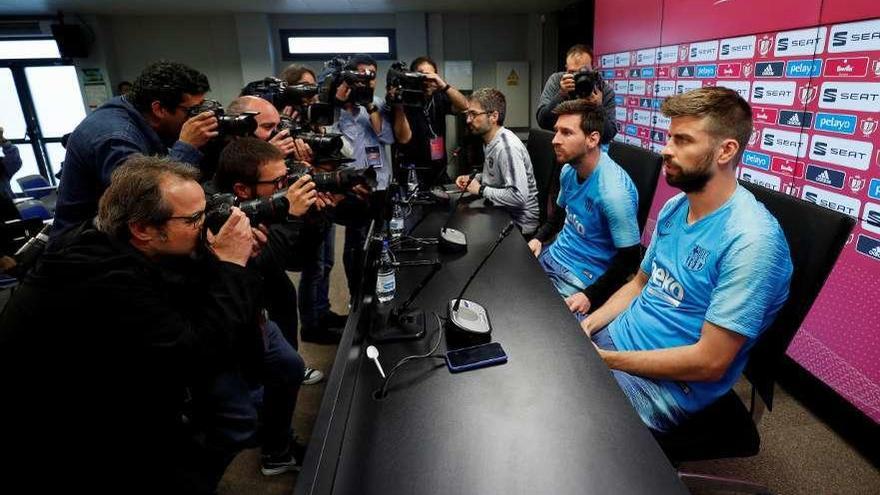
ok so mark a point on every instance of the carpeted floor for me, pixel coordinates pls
(799, 453)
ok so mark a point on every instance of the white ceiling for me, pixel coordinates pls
(30, 7)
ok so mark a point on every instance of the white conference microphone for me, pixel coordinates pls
(373, 354)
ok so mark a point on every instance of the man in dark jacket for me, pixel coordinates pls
(560, 87)
(152, 119)
(123, 316)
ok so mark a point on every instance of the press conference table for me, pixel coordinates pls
(552, 420)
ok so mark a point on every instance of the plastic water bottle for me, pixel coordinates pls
(412, 180)
(396, 225)
(386, 283)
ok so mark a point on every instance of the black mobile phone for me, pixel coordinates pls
(478, 356)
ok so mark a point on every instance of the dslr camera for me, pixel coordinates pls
(299, 96)
(323, 145)
(337, 71)
(409, 86)
(585, 81)
(243, 124)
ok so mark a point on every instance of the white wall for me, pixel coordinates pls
(208, 44)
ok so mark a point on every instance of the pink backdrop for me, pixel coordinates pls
(811, 71)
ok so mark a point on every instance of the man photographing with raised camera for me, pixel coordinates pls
(560, 86)
(151, 119)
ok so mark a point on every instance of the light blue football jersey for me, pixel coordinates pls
(600, 219)
(731, 268)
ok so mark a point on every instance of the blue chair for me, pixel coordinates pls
(35, 186)
(31, 208)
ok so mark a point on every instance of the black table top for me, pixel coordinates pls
(551, 420)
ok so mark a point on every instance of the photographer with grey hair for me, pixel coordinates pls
(121, 318)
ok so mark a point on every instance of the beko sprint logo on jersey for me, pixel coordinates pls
(855, 37)
(774, 93)
(785, 142)
(832, 201)
(706, 51)
(844, 152)
(733, 48)
(864, 97)
(664, 286)
(800, 42)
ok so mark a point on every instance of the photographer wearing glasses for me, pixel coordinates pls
(122, 317)
(252, 169)
(153, 118)
(422, 140)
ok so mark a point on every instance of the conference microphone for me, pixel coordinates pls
(454, 240)
(467, 322)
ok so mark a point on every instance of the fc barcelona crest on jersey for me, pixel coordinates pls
(696, 259)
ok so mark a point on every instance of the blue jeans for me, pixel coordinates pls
(565, 281)
(314, 285)
(231, 406)
(653, 402)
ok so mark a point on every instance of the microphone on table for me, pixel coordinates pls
(467, 322)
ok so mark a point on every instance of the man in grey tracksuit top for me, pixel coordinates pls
(507, 179)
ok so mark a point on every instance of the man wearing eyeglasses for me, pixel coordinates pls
(151, 119)
(251, 169)
(123, 316)
(507, 178)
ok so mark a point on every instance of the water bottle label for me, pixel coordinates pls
(387, 283)
(396, 224)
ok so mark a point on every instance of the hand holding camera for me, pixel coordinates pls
(200, 129)
(301, 195)
(284, 142)
(235, 242)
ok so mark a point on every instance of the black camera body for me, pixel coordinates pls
(336, 181)
(585, 81)
(279, 93)
(243, 124)
(336, 72)
(268, 210)
(409, 86)
(322, 145)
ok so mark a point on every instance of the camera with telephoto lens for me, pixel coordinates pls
(322, 145)
(336, 181)
(585, 81)
(243, 124)
(268, 210)
(336, 71)
(409, 86)
(279, 93)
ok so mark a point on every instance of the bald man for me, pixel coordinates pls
(267, 122)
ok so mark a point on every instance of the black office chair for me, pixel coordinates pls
(544, 166)
(726, 428)
(643, 167)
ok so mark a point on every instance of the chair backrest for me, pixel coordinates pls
(643, 167)
(35, 186)
(32, 208)
(815, 236)
(544, 166)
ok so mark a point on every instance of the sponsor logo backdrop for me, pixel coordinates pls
(815, 95)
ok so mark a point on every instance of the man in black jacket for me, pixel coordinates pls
(122, 316)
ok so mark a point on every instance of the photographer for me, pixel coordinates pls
(426, 126)
(151, 119)
(140, 311)
(368, 129)
(560, 87)
(252, 169)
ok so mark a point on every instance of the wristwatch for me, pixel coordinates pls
(371, 108)
(445, 88)
(482, 188)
